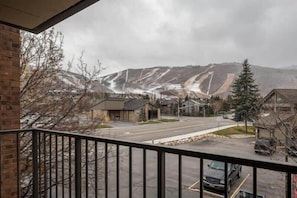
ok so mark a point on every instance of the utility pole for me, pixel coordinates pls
(178, 109)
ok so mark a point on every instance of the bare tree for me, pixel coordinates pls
(49, 98)
(52, 99)
(278, 120)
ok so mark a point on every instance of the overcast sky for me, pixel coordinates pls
(144, 33)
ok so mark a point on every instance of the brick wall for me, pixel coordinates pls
(9, 108)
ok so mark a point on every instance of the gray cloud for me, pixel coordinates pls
(132, 34)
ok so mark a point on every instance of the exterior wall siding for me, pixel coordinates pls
(9, 108)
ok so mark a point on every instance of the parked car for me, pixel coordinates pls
(214, 176)
(246, 194)
(225, 116)
(265, 146)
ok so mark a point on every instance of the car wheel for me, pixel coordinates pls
(229, 186)
(239, 174)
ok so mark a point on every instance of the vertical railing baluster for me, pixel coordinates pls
(39, 162)
(226, 180)
(255, 181)
(69, 166)
(289, 185)
(35, 163)
(56, 165)
(144, 173)
(117, 171)
(201, 177)
(161, 174)
(50, 164)
(44, 165)
(96, 169)
(130, 172)
(18, 162)
(77, 167)
(106, 170)
(87, 168)
(180, 175)
(63, 178)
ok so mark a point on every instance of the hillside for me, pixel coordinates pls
(195, 81)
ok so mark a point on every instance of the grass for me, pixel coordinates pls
(236, 130)
(158, 121)
(168, 120)
(99, 126)
(102, 126)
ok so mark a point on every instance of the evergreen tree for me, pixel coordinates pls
(245, 95)
(142, 116)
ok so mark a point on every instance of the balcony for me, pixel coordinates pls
(62, 164)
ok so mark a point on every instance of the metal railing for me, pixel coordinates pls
(62, 164)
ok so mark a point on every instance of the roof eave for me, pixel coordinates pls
(55, 19)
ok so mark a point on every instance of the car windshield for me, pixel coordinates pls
(218, 165)
(263, 142)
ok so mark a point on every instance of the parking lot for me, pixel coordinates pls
(270, 183)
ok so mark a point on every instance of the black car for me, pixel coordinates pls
(265, 146)
(214, 176)
(246, 194)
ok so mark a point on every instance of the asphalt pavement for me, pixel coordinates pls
(167, 131)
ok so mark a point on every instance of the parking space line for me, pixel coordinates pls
(191, 187)
(239, 186)
(198, 190)
(215, 194)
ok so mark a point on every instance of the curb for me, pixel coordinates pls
(189, 135)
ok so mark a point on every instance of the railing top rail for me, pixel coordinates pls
(270, 165)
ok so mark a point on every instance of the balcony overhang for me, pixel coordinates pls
(37, 15)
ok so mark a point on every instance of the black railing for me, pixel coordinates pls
(62, 164)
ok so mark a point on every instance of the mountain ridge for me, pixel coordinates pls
(195, 80)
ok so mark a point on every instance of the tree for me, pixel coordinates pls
(245, 95)
(217, 104)
(46, 100)
(142, 116)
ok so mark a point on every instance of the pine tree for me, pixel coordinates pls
(245, 95)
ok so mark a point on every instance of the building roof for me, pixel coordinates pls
(192, 101)
(169, 102)
(36, 16)
(290, 95)
(135, 104)
(120, 104)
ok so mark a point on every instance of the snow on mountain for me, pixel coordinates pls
(195, 81)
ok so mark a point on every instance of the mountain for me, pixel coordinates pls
(195, 81)
(293, 67)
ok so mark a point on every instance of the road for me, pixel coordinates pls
(150, 132)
